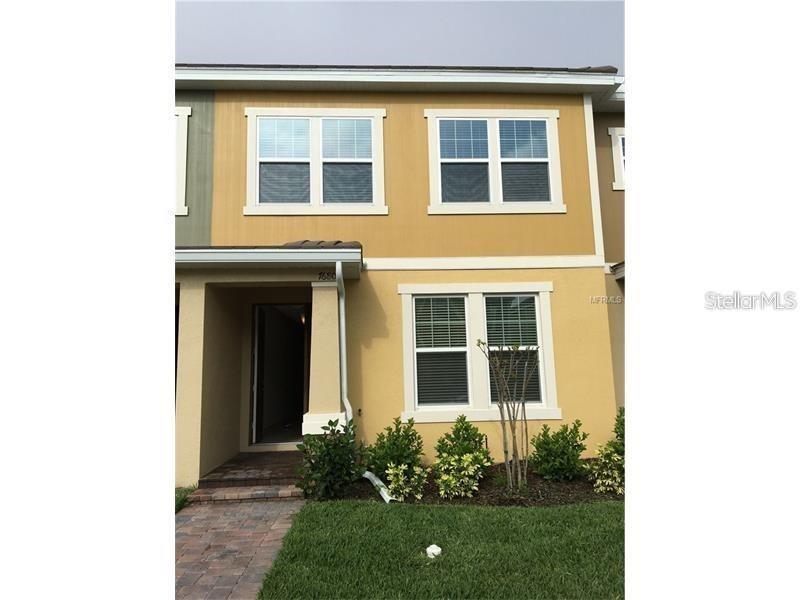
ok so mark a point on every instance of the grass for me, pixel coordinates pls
(357, 549)
(180, 496)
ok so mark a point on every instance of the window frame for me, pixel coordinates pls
(465, 349)
(480, 407)
(181, 158)
(316, 206)
(618, 159)
(496, 205)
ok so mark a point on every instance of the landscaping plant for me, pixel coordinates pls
(458, 476)
(513, 369)
(557, 455)
(608, 471)
(463, 438)
(405, 481)
(399, 444)
(332, 461)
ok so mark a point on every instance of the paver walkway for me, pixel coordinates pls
(223, 550)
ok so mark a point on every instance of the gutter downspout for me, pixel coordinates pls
(348, 410)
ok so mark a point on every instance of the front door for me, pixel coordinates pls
(281, 335)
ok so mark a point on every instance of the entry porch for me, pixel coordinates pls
(258, 341)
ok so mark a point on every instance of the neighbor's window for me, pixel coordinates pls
(181, 141)
(503, 161)
(511, 321)
(618, 156)
(315, 161)
(440, 348)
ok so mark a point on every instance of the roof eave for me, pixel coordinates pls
(397, 79)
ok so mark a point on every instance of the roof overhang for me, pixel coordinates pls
(271, 258)
(600, 82)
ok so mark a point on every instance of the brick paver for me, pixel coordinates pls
(223, 550)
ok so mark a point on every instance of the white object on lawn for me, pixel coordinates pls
(433, 550)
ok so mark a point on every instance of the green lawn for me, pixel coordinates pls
(358, 549)
(180, 496)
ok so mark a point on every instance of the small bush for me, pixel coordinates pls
(399, 444)
(619, 432)
(403, 483)
(463, 438)
(608, 471)
(458, 476)
(181, 495)
(557, 455)
(332, 461)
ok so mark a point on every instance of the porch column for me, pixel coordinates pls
(324, 403)
(189, 384)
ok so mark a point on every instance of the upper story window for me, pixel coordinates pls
(181, 141)
(618, 156)
(315, 161)
(494, 161)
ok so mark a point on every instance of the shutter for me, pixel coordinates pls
(511, 320)
(440, 322)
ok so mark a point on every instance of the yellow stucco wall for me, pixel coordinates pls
(580, 337)
(220, 356)
(612, 203)
(616, 326)
(407, 230)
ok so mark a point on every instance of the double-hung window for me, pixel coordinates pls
(618, 156)
(440, 350)
(511, 323)
(315, 161)
(501, 161)
(445, 372)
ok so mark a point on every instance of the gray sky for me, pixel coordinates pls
(538, 34)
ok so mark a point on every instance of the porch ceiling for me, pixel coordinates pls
(303, 254)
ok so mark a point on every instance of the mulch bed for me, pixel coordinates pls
(492, 492)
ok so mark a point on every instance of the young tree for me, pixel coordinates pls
(513, 368)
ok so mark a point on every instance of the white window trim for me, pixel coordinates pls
(316, 206)
(480, 407)
(495, 204)
(617, 133)
(181, 138)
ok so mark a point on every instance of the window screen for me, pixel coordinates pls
(511, 321)
(440, 340)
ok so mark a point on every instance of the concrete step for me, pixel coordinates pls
(245, 493)
(245, 480)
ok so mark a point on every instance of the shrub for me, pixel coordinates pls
(619, 432)
(463, 438)
(608, 471)
(332, 461)
(403, 483)
(458, 476)
(557, 455)
(399, 444)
